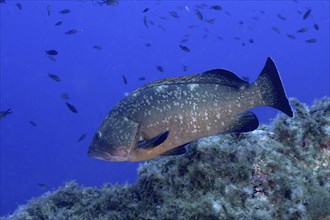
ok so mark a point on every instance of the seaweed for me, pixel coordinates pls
(279, 171)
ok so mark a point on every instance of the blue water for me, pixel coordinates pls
(50, 152)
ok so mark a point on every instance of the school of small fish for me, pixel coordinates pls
(205, 17)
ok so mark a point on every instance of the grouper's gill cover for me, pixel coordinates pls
(114, 139)
(163, 117)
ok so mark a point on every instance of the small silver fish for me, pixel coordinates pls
(58, 23)
(33, 123)
(151, 22)
(65, 96)
(307, 14)
(210, 21)
(216, 7)
(43, 186)
(302, 30)
(256, 18)
(281, 17)
(19, 6)
(82, 137)
(5, 113)
(98, 47)
(65, 11)
(71, 107)
(276, 29)
(184, 48)
(145, 21)
(199, 14)
(174, 14)
(291, 36)
(109, 2)
(192, 26)
(48, 10)
(52, 52)
(70, 32)
(312, 40)
(124, 79)
(160, 68)
(54, 77)
(163, 117)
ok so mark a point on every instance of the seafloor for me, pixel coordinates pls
(281, 171)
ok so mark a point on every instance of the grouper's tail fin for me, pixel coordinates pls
(271, 88)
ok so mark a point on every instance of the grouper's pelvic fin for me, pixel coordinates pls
(271, 87)
(176, 151)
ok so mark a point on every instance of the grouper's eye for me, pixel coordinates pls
(97, 136)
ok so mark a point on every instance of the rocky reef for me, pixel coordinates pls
(279, 171)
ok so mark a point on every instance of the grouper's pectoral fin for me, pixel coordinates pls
(245, 122)
(153, 142)
(176, 151)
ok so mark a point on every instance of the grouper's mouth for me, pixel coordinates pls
(120, 154)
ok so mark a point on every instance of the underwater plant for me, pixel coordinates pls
(279, 171)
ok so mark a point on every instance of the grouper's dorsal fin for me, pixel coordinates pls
(169, 81)
(216, 76)
(224, 77)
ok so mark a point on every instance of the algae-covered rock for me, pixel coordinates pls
(280, 171)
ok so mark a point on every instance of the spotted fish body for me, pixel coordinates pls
(160, 118)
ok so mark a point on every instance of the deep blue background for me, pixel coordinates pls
(50, 153)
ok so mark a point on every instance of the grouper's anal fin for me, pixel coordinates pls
(153, 142)
(245, 122)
